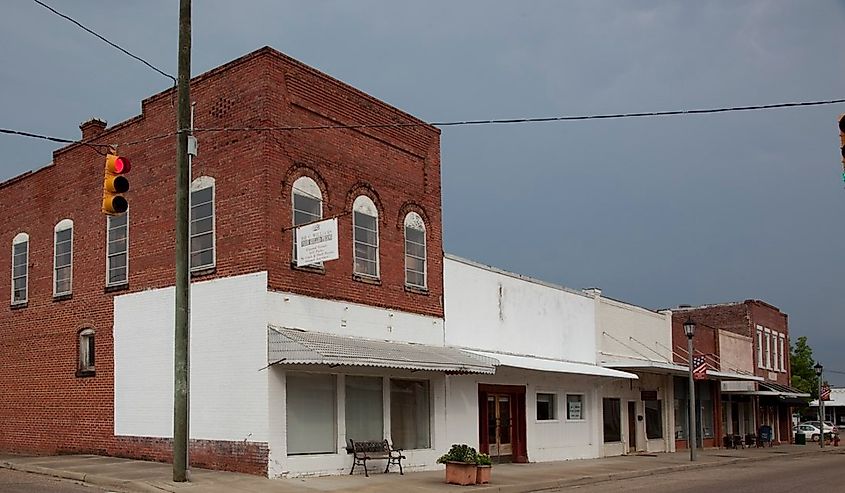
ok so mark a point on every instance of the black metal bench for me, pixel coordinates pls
(364, 450)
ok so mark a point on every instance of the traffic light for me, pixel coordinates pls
(842, 142)
(115, 183)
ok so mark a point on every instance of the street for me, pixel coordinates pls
(21, 482)
(782, 475)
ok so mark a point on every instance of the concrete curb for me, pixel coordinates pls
(142, 486)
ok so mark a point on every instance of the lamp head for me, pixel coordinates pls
(818, 369)
(689, 328)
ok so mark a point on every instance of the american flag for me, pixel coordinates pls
(699, 368)
(825, 392)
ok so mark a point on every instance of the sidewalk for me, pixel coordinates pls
(128, 475)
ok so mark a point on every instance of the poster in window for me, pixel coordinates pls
(574, 403)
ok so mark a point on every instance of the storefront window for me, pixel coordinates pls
(410, 419)
(681, 409)
(612, 417)
(364, 408)
(311, 417)
(653, 419)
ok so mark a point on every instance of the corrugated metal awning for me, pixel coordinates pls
(304, 347)
(648, 366)
(552, 365)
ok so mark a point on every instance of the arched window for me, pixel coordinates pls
(203, 255)
(365, 235)
(86, 352)
(20, 268)
(63, 258)
(307, 204)
(117, 250)
(415, 254)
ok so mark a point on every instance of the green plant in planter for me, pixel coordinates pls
(460, 453)
(484, 460)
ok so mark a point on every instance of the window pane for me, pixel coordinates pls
(311, 413)
(365, 252)
(300, 217)
(20, 249)
(117, 246)
(365, 267)
(63, 248)
(545, 407)
(414, 249)
(414, 264)
(64, 235)
(415, 279)
(366, 236)
(203, 225)
(201, 196)
(612, 420)
(19, 271)
(415, 235)
(63, 259)
(117, 261)
(574, 407)
(117, 276)
(62, 285)
(653, 419)
(202, 259)
(201, 242)
(365, 221)
(364, 408)
(409, 414)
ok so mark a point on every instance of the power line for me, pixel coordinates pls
(605, 116)
(102, 38)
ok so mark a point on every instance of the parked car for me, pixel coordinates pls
(809, 431)
(828, 426)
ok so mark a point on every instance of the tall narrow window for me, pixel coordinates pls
(117, 253)
(202, 224)
(365, 232)
(612, 420)
(759, 347)
(653, 419)
(775, 360)
(782, 344)
(86, 352)
(410, 418)
(63, 258)
(20, 268)
(311, 418)
(307, 204)
(415, 257)
(364, 408)
(768, 336)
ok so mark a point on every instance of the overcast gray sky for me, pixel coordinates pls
(655, 211)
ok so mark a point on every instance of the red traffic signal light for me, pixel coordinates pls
(115, 183)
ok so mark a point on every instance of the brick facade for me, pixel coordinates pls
(46, 407)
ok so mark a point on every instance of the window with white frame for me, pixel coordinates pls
(546, 407)
(575, 407)
(365, 234)
(117, 250)
(759, 346)
(307, 204)
(415, 254)
(410, 414)
(202, 224)
(782, 338)
(311, 418)
(775, 357)
(364, 408)
(86, 351)
(20, 268)
(768, 336)
(63, 258)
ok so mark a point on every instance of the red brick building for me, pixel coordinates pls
(71, 266)
(752, 338)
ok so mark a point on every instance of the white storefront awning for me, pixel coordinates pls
(304, 347)
(647, 366)
(729, 375)
(552, 365)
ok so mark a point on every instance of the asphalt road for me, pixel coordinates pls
(21, 482)
(783, 475)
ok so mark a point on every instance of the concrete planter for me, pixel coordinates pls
(460, 473)
(483, 474)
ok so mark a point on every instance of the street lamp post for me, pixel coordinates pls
(689, 330)
(819, 370)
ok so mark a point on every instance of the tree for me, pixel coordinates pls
(803, 374)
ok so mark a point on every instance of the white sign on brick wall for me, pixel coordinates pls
(316, 242)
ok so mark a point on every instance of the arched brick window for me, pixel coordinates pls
(415, 252)
(365, 236)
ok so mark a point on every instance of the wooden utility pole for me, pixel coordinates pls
(181, 368)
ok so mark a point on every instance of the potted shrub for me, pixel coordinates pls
(484, 469)
(460, 463)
